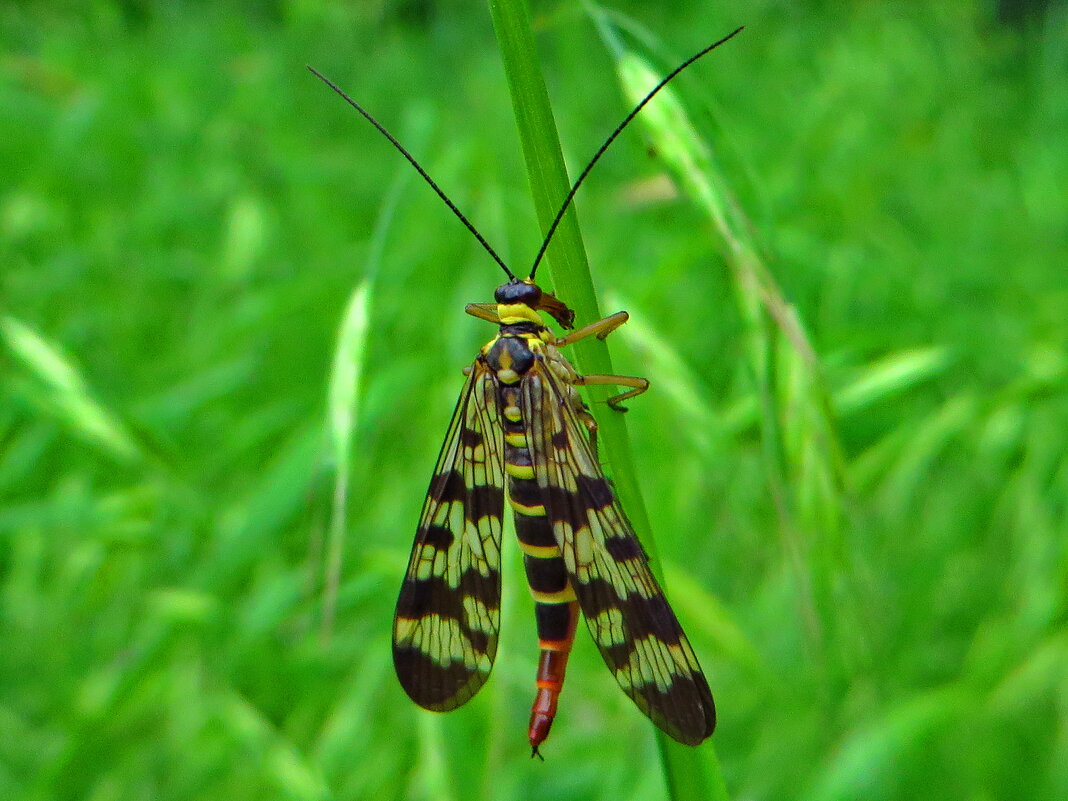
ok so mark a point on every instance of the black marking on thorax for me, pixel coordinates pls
(510, 352)
(525, 327)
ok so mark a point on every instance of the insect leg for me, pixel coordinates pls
(639, 385)
(601, 328)
(484, 311)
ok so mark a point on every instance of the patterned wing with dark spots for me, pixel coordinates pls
(448, 613)
(630, 620)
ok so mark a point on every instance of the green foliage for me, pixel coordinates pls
(232, 327)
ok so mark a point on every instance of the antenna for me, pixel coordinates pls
(612, 137)
(411, 160)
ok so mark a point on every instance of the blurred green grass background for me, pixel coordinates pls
(186, 220)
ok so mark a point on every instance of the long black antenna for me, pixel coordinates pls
(612, 138)
(419, 169)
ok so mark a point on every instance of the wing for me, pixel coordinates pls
(449, 609)
(626, 612)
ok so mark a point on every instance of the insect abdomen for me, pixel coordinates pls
(555, 606)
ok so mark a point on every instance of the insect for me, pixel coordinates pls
(521, 433)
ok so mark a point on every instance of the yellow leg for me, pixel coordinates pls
(484, 311)
(638, 386)
(601, 328)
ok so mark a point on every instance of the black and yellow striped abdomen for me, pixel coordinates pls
(556, 610)
(511, 356)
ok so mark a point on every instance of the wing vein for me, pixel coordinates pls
(632, 624)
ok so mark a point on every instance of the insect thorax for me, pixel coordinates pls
(513, 351)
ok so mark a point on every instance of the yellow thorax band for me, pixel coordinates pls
(517, 313)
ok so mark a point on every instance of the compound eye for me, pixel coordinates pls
(518, 292)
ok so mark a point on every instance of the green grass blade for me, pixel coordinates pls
(891, 375)
(343, 395)
(65, 393)
(688, 773)
(566, 255)
(803, 461)
(342, 415)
